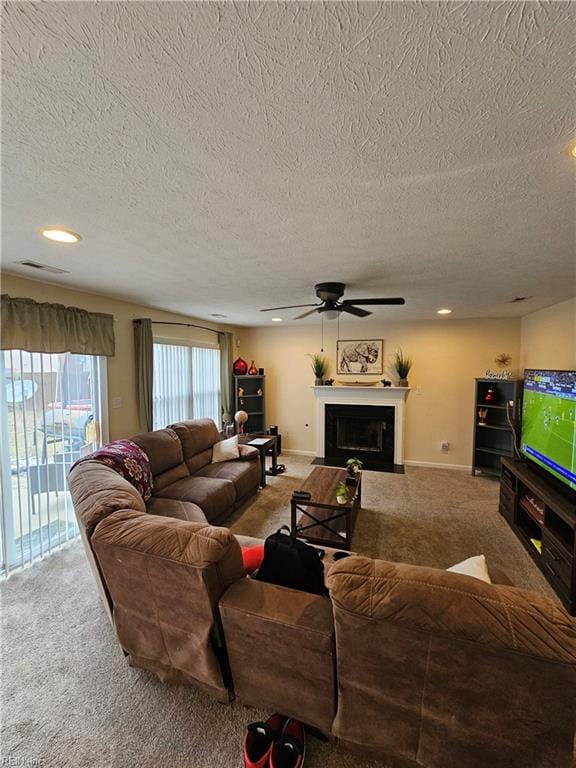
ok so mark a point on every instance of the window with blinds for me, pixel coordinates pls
(52, 412)
(186, 384)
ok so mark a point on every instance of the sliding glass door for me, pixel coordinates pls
(52, 412)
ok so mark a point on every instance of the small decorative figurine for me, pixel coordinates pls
(328, 382)
(482, 414)
(253, 371)
(240, 391)
(386, 383)
(259, 391)
(489, 397)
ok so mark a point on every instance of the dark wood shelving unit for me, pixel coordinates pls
(526, 495)
(250, 401)
(495, 438)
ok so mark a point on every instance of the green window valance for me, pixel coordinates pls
(52, 328)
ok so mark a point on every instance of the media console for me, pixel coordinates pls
(544, 520)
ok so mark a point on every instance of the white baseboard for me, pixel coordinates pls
(430, 464)
(439, 465)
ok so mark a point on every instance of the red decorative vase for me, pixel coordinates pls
(239, 367)
(253, 371)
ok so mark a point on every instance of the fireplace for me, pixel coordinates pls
(358, 434)
(362, 431)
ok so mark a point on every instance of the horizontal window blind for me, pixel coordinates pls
(186, 384)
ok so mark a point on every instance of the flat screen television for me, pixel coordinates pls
(549, 422)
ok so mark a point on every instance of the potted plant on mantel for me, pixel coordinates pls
(319, 365)
(402, 365)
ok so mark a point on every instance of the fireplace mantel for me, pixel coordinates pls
(392, 396)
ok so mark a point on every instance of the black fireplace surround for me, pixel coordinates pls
(365, 432)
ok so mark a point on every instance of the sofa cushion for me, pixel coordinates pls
(244, 474)
(164, 450)
(97, 491)
(214, 496)
(473, 566)
(252, 557)
(181, 510)
(197, 438)
(225, 450)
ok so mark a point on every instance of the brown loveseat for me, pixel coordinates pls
(419, 667)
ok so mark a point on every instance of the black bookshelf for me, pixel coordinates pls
(493, 434)
(252, 400)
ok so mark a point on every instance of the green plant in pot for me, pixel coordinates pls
(319, 365)
(402, 364)
(341, 493)
(354, 466)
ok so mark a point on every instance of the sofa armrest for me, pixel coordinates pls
(280, 644)
(454, 606)
(248, 453)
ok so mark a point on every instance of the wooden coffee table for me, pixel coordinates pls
(322, 519)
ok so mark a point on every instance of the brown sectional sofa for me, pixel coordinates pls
(419, 667)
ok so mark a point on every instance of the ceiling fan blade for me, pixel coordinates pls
(311, 312)
(292, 306)
(354, 310)
(374, 302)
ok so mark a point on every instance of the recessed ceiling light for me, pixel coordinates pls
(570, 149)
(444, 311)
(276, 319)
(61, 235)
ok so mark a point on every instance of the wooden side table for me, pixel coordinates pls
(265, 445)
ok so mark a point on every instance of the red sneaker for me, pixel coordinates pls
(290, 750)
(259, 739)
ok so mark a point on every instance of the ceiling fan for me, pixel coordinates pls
(330, 305)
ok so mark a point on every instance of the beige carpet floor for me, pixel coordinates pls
(69, 700)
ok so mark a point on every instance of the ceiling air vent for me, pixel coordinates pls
(44, 267)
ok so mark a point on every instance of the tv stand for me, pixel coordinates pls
(545, 522)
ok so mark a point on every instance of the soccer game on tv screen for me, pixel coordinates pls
(549, 422)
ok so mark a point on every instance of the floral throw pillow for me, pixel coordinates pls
(129, 460)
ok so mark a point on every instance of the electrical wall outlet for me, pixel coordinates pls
(445, 446)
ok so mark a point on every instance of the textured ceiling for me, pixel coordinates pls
(218, 158)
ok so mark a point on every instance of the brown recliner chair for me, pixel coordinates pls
(441, 670)
(165, 577)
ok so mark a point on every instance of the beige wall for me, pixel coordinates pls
(123, 420)
(548, 337)
(448, 354)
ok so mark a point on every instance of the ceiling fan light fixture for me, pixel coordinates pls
(331, 314)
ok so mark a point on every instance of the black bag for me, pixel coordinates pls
(292, 563)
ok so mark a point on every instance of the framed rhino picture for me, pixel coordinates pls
(360, 356)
